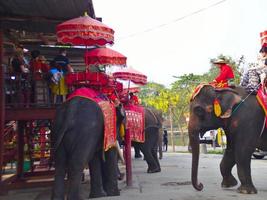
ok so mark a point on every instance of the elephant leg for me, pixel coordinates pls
(96, 176)
(79, 158)
(152, 164)
(110, 172)
(243, 162)
(74, 181)
(60, 172)
(137, 152)
(149, 148)
(155, 150)
(155, 156)
(226, 166)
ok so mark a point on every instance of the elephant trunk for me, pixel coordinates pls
(194, 142)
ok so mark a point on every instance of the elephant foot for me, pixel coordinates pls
(149, 170)
(138, 156)
(121, 176)
(229, 182)
(114, 192)
(97, 195)
(247, 189)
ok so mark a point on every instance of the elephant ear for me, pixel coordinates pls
(227, 99)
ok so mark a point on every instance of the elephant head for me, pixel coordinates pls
(209, 109)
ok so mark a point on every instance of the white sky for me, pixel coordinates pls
(185, 46)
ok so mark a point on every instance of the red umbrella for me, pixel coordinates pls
(131, 75)
(84, 31)
(104, 56)
(263, 36)
(132, 89)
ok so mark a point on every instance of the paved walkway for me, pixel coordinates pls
(173, 183)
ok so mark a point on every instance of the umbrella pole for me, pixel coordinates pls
(128, 158)
(128, 90)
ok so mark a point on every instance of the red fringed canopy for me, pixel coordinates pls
(131, 75)
(263, 36)
(104, 56)
(84, 31)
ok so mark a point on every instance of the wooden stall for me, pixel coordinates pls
(32, 24)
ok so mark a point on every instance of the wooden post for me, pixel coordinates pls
(128, 158)
(2, 105)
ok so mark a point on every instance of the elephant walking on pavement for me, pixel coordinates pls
(243, 122)
(153, 125)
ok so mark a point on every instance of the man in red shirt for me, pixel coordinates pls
(133, 99)
(226, 75)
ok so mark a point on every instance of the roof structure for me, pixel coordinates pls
(18, 18)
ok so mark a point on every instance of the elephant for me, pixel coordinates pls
(153, 124)
(77, 139)
(242, 119)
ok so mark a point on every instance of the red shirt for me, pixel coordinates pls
(134, 100)
(226, 73)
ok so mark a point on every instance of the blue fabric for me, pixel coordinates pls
(53, 71)
(63, 62)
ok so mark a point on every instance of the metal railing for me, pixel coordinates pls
(21, 91)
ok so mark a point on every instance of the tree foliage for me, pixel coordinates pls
(176, 99)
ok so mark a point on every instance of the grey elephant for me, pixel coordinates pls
(153, 125)
(242, 118)
(77, 137)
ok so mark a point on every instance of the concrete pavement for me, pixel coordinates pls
(173, 183)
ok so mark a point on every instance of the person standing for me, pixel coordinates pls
(133, 99)
(165, 139)
(226, 76)
(20, 69)
(39, 69)
(255, 75)
(64, 66)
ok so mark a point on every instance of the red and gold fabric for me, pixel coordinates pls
(262, 99)
(135, 122)
(198, 89)
(109, 114)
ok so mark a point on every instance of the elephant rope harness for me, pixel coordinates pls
(259, 100)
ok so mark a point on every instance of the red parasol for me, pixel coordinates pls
(132, 89)
(84, 31)
(104, 56)
(131, 75)
(263, 36)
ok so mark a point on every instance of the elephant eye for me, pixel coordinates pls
(199, 111)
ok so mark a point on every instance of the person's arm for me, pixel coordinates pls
(70, 69)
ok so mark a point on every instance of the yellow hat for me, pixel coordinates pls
(219, 61)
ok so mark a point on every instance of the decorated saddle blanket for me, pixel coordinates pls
(262, 99)
(197, 90)
(109, 113)
(135, 122)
